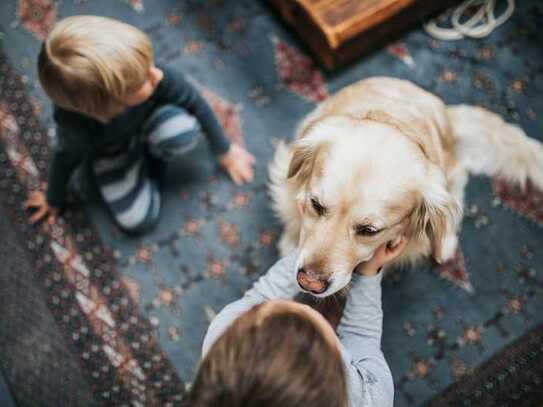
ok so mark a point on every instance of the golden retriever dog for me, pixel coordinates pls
(380, 159)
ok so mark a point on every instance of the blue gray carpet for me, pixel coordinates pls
(215, 239)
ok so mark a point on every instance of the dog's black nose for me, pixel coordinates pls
(310, 282)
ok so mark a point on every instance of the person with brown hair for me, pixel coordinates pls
(124, 116)
(266, 350)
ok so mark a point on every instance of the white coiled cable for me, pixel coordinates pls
(479, 25)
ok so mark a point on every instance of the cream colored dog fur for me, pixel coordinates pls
(381, 158)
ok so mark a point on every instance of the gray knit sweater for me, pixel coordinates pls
(369, 381)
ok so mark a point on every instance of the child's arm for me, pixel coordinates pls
(62, 166)
(47, 205)
(63, 163)
(360, 331)
(175, 89)
(73, 142)
(237, 161)
(277, 283)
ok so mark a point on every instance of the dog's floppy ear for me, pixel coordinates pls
(304, 157)
(438, 215)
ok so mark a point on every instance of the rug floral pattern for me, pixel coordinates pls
(215, 239)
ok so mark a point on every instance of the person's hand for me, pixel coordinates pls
(238, 163)
(384, 254)
(43, 211)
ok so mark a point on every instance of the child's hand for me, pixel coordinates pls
(238, 163)
(43, 211)
(384, 254)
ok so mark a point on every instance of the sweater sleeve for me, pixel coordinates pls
(359, 330)
(71, 147)
(62, 166)
(175, 89)
(278, 283)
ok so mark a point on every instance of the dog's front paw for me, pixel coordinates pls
(448, 248)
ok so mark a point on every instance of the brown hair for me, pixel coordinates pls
(88, 64)
(282, 359)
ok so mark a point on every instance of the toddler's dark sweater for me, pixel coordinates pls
(80, 137)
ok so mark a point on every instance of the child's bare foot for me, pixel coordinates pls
(238, 163)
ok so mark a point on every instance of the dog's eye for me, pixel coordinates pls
(321, 210)
(366, 230)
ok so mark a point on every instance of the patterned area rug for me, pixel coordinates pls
(513, 377)
(120, 320)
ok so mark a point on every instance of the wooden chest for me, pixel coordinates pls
(338, 31)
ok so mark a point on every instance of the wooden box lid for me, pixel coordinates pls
(337, 31)
(341, 20)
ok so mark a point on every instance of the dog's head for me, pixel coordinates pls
(362, 183)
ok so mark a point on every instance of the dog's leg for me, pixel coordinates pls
(457, 181)
(488, 145)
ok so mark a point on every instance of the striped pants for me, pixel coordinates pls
(126, 179)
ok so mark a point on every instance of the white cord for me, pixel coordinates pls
(479, 25)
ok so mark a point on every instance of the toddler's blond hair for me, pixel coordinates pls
(89, 63)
